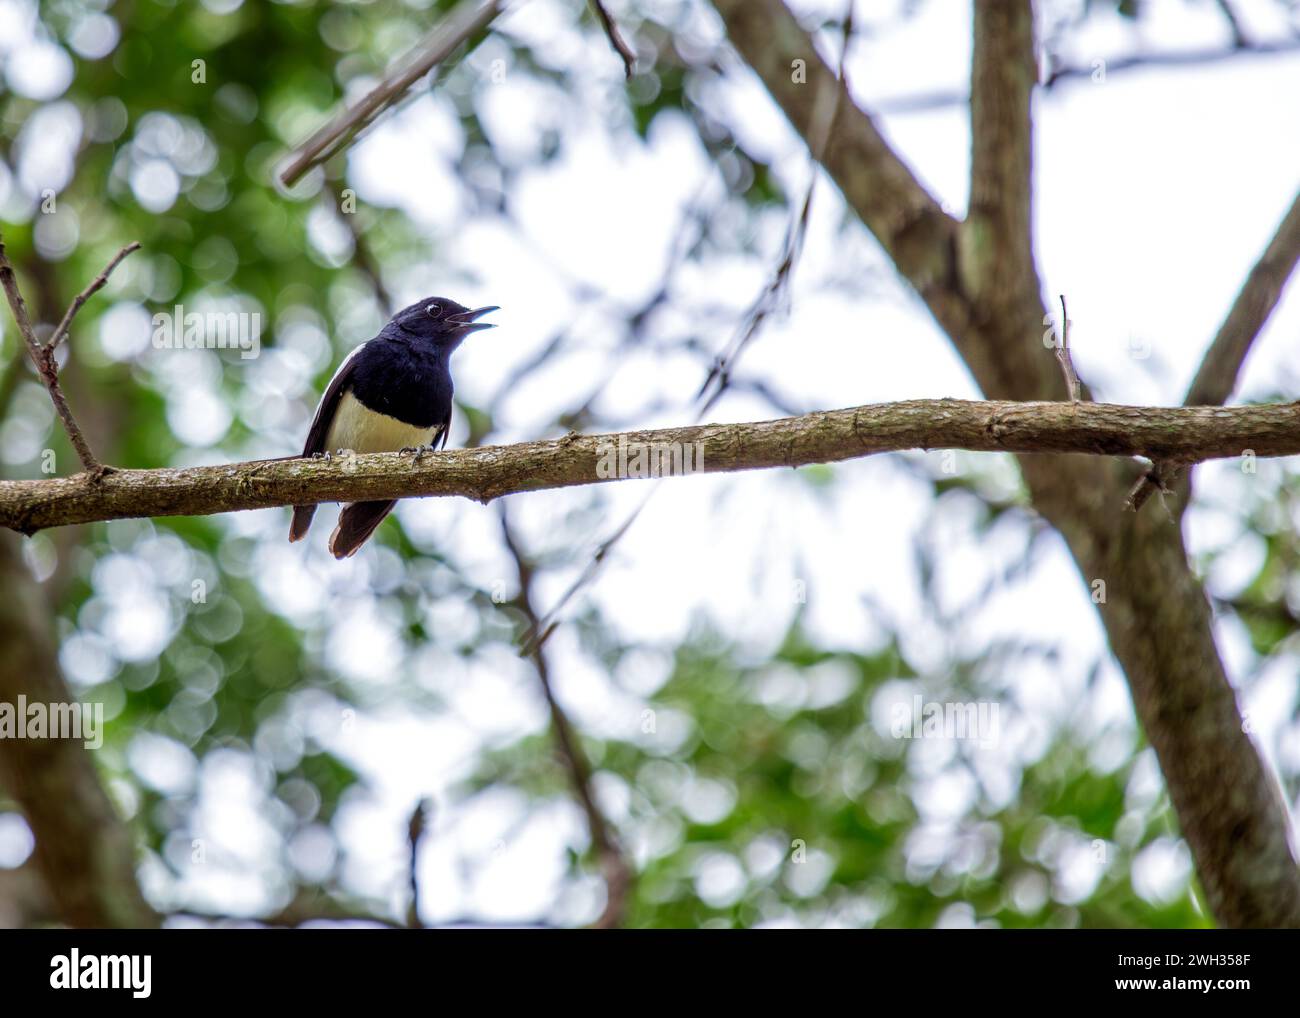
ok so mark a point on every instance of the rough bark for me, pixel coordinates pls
(1181, 434)
(1156, 616)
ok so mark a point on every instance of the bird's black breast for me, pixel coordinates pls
(404, 380)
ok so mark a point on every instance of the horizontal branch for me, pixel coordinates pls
(1165, 434)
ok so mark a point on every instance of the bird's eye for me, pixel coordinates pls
(434, 310)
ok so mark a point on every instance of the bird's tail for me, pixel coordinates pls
(356, 523)
(302, 515)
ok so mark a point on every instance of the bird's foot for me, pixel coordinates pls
(417, 450)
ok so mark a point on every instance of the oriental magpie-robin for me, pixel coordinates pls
(392, 393)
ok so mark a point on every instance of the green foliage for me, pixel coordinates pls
(757, 790)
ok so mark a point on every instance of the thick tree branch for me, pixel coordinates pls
(1227, 801)
(1182, 434)
(1156, 614)
(904, 217)
(857, 155)
(997, 245)
(1259, 295)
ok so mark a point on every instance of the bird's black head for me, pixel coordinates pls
(440, 321)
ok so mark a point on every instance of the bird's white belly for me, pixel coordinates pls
(361, 430)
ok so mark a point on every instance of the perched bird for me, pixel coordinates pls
(390, 394)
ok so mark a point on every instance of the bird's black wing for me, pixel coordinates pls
(320, 426)
(329, 404)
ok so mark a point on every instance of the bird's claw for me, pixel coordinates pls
(417, 450)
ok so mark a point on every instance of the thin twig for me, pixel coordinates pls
(1158, 478)
(96, 285)
(828, 108)
(46, 366)
(1240, 40)
(1063, 356)
(614, 867)
(309, 905)
(615, 39)
(418, 824)
(1176, 59)
(363, 258)
(541, 631)
(924, 102)
(718, 379)
(679, 249)
(18, 306)
(461, 24)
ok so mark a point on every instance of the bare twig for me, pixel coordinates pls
(363, 258)
(1174, 59)
(1063, 356)
(719, 377)
(828, 107)
(1240, 39)
(461, 24)
(46, 366)
(419, 822)
(616, 40)
(541, 631)
(309, 905)
(694, 214)
(96, 285)
(1159, 477)
(924, 102)
(614, 867)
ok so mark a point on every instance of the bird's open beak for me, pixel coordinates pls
(465, 320)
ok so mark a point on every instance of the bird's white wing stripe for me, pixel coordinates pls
(325, 396)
